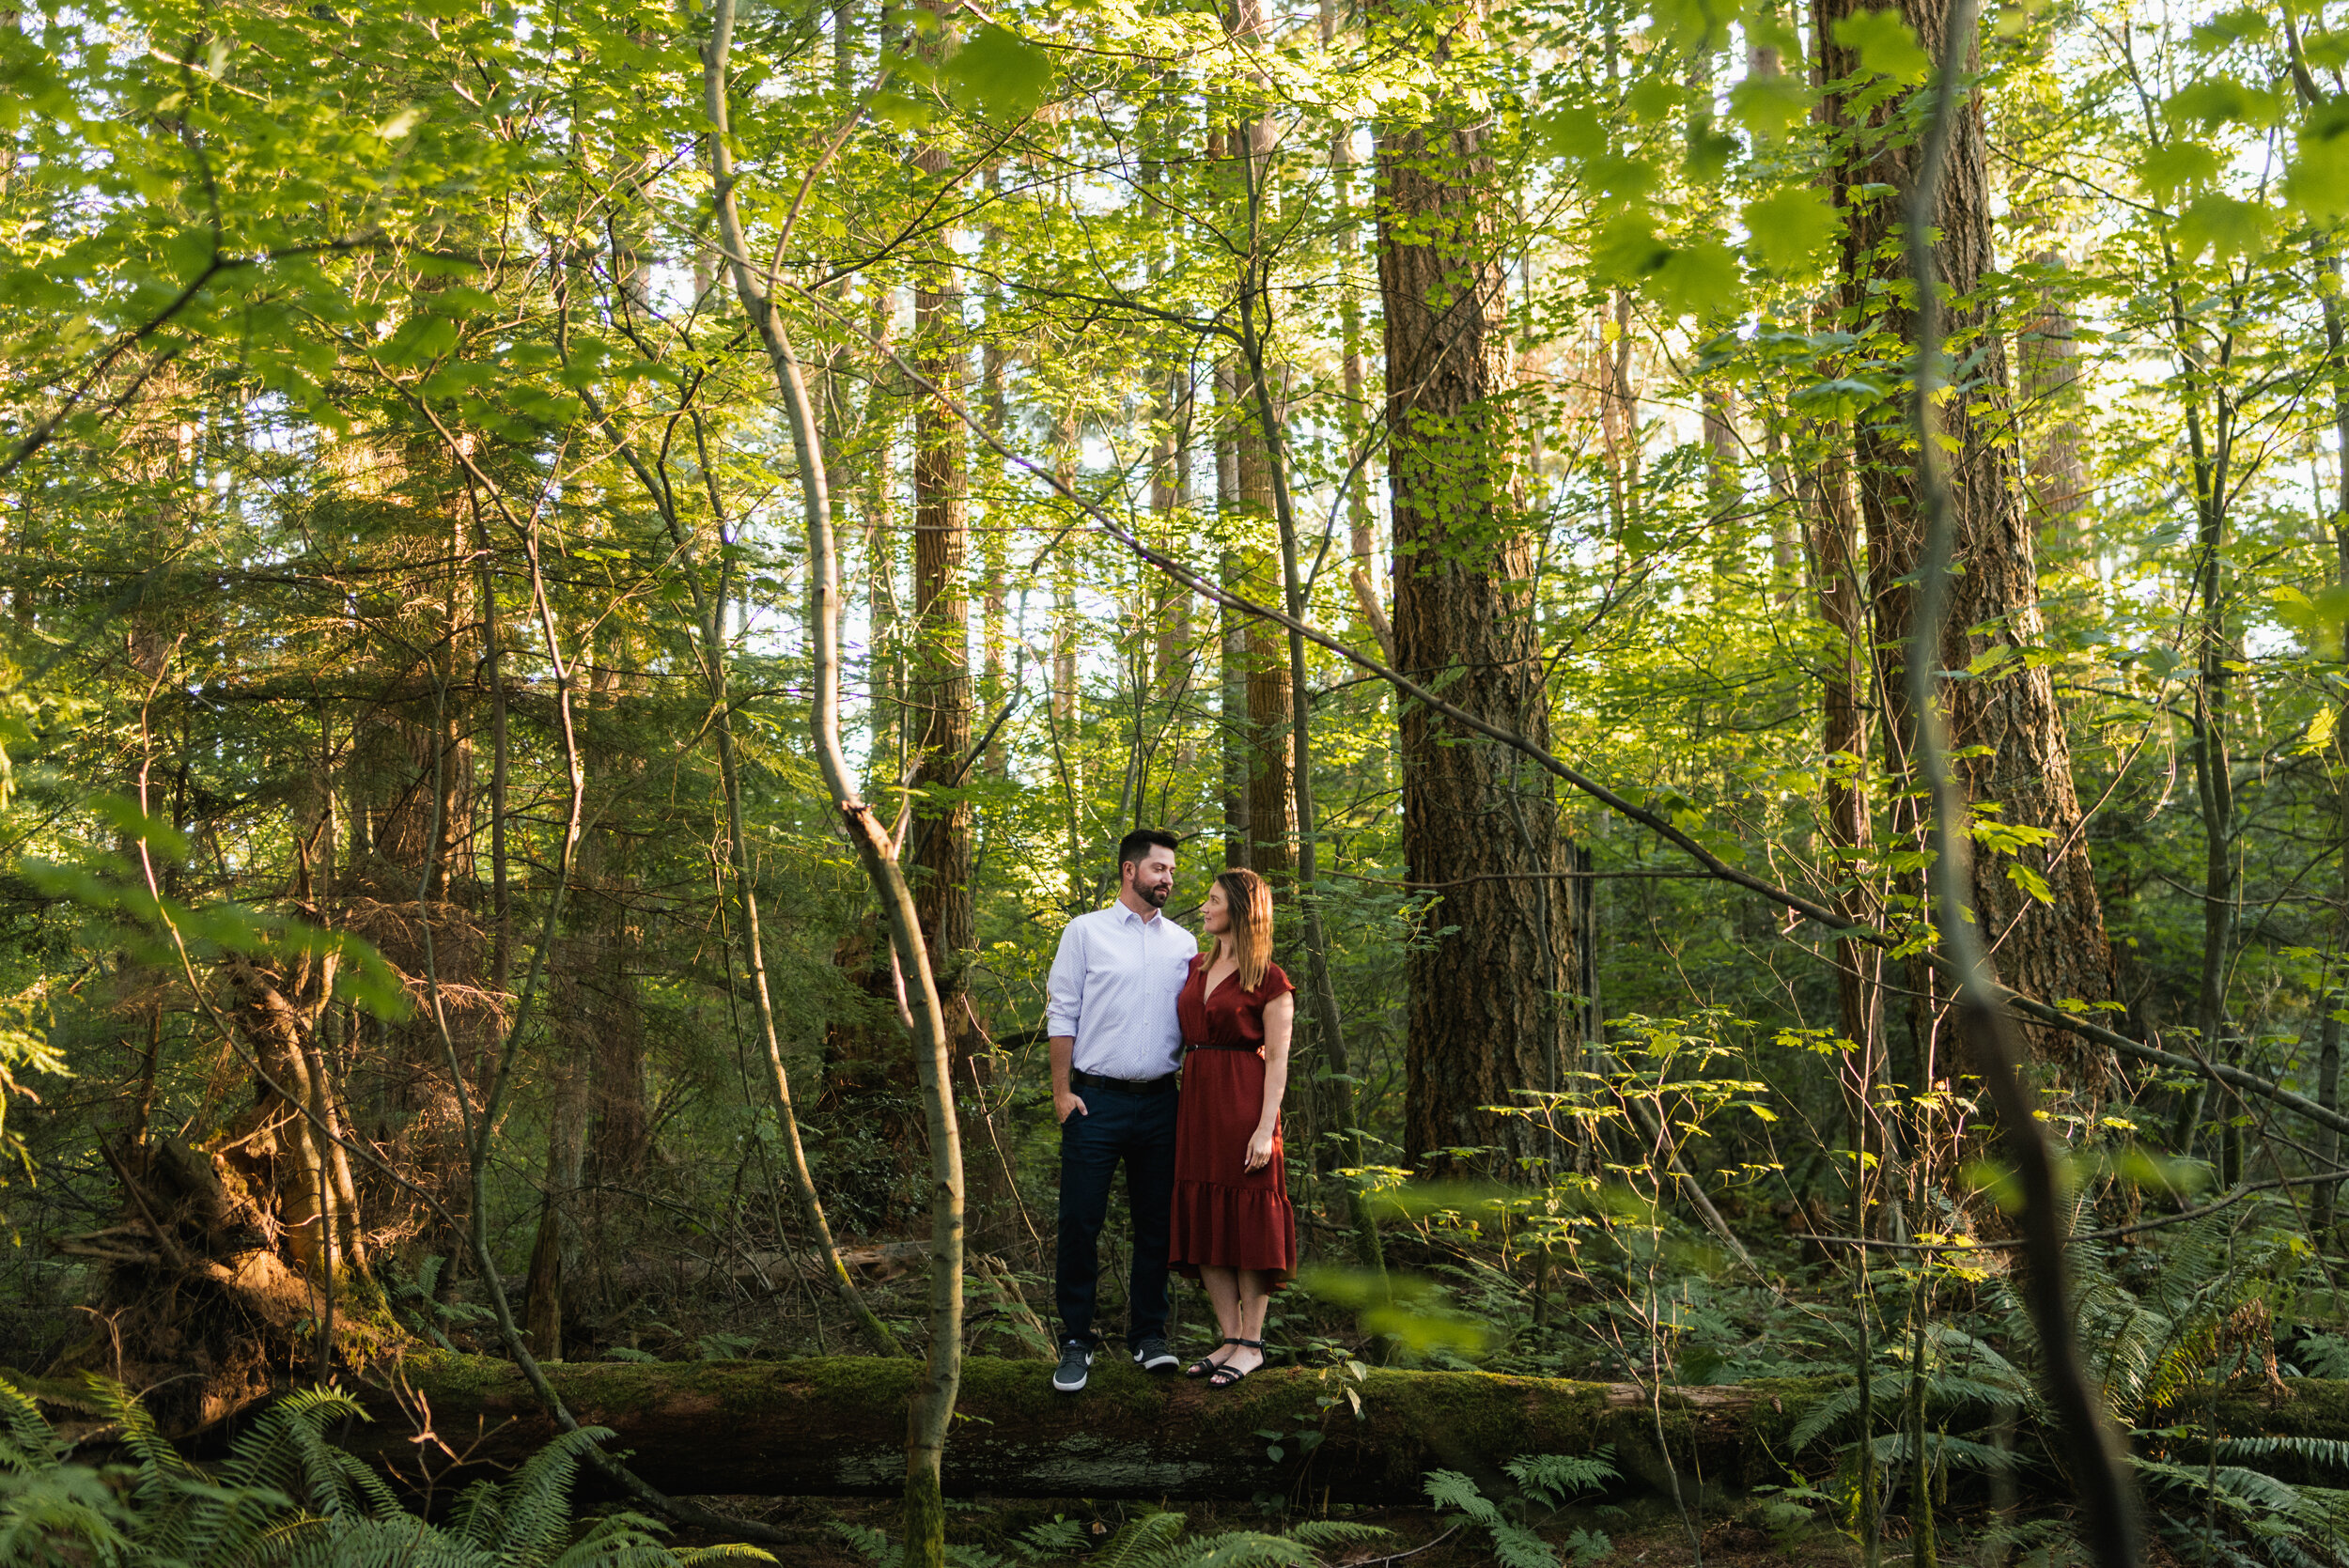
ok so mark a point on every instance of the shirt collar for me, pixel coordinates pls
(1126, 912)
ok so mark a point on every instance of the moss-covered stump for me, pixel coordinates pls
(838, 1425)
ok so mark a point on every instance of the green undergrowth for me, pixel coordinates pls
(286, 1496)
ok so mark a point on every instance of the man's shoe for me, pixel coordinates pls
(1153, 1354)
(1076, 1360)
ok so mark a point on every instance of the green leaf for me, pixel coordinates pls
(1695, 278)
(2316, 181)
(2175, 166)
(2033, 885)
(1841, 398)
(2230, 27)
(898, 110)
(1695, 24)
(1787, 230)
(1000, 73)
(2211, 101)
(1653, 99)
(1576, 133)
(2224, 225)
(1450, 1489)
(1766, 106)
(1886, 46)
(2319, 619)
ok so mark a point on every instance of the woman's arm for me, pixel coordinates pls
(1279, 1015)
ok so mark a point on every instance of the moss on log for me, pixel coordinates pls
(836, 1426)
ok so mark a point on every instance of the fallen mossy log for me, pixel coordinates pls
(836, 1426)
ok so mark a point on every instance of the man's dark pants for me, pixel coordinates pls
(1139, 1131)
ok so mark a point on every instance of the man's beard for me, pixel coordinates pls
(1156, 896)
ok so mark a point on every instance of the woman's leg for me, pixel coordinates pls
(1222, 1287)
(1253, 1287)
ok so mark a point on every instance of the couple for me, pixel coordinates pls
(1132, 1000)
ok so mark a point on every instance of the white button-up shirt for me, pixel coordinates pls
(1113, 986)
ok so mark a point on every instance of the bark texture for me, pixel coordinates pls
(837, 1427)
(939, 687)
(2053, 946)
(1483, 1013)
(834, 1427)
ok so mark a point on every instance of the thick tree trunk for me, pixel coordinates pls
(2047, 938)
(1482, 1017)
(2049, 367)
(837, 1427)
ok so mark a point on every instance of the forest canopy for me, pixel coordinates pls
(587, 589)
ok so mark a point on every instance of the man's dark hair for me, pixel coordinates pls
(1138, 842)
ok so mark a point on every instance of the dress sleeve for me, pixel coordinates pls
(1276, 984)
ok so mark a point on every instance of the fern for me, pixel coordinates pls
(30, 1446)
(870, 1544)
(288, 1498)
(1321, 1534)
(1452, 1490)
(1515, 1547)
(1556, 1477)
(2330, 1452)
(1130, 1548)
(535, 1506)
(1055, 1537)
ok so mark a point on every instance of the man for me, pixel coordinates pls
(1115, 1045)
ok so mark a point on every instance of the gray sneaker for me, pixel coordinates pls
(1153, 1354)
(1076, 1360)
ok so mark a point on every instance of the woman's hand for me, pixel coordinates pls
(1259, 1150)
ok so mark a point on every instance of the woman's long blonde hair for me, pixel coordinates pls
(1249, 898)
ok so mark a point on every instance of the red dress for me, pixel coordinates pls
(1224, 1214)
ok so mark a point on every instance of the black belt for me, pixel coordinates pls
(1202, 1045)
(1161, 1085)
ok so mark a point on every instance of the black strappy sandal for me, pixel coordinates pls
(1207, 1366)
(1226, 1375)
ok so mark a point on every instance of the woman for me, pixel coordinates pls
(1234, 1230)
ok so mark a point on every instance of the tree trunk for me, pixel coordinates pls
(940, 684)
(2043, 924)
(1482, 1017)
(883, 666)
(835, 1427)
(2049, 367)
(1272, 822)
(930, 1409)
(1232, 706)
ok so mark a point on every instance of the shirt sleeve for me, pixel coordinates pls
(1066, 987)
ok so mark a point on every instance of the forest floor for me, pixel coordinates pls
(1646, 1533)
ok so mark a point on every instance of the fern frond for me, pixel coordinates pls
(1517, 1548)
(2322, 1451)
(1322, 1533)
(1838, 1408)
(1556, 1477)
(62, 1514)
(1129, 1547)
(1244, 1548)
(32, 1443)
(866, 1540)
(1450, 1489)
(535, 1507)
